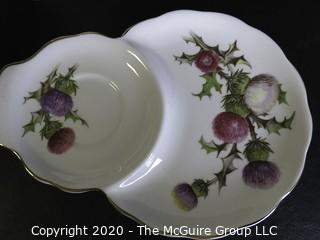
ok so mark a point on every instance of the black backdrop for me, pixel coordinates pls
(26, 26)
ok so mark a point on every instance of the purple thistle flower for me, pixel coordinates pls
(261, 174)
(184, 197)
(56, 103)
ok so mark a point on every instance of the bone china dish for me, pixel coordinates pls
(189, 119)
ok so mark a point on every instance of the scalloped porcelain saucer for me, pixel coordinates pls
(190, 119)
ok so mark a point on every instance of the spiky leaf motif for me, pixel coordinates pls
(36, 118)
(282, 95)
(34, 95)
(238, 60)
(50, 127)
(65, 83)
(229, 57)
(74, 116)
(198, 41)
(211, 146)
(45, 87)
(38, 94)
(186, 58)
(231, 49)
(210, 82)
(227, 166)
(272, 125)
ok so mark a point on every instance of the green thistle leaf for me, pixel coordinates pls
(45, 86)
(261, 123)
(52, 76)
(28, 128)
(36, 118)
(71, 71)
(67, 86)
(223, 75)
(232, 48)
(198, 41)
(185, 58)
(238, 60)
(34, 95)
(73, 115)
(282, 95)
(50, 127)
(210, 82)
(37, 95)
(65, 83)
(228, 166)
(211, 146)
(273, 125)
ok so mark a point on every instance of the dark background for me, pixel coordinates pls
(26, 26)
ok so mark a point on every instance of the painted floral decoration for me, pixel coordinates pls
(55, 100)
(247, 101)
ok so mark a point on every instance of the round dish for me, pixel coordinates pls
(77, 112)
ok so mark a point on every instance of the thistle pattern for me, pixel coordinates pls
(247, 101)
(55, 100)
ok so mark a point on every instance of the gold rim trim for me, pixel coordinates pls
(119, 209)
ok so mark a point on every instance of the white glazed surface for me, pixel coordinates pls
(117, 96)
(177, 156)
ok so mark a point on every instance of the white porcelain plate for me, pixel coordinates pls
(190, 119)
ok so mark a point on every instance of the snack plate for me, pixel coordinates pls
(160, 145)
